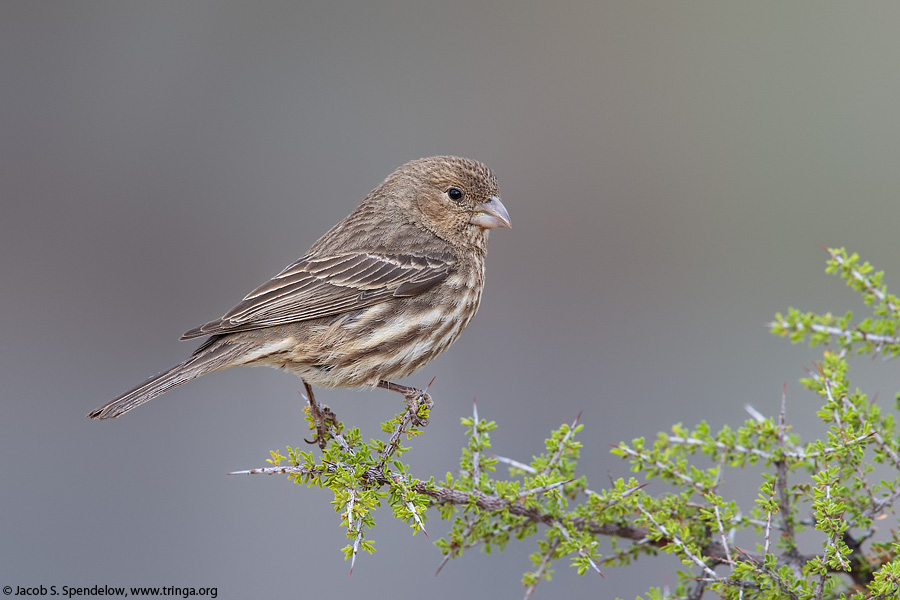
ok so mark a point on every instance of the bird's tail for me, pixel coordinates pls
(208, 357)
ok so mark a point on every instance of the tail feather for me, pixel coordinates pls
(208, 358)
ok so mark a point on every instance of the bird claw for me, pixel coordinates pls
(415, 401)
(322, 416)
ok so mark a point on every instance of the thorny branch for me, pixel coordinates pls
(781, 485)
(644, 520)
(715, 552)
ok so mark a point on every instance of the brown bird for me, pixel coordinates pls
(382, 293)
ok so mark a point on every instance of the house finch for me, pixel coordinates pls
(382, 293)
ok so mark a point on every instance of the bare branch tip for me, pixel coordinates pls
(441, 566)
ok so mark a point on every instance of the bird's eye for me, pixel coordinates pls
(455, 194)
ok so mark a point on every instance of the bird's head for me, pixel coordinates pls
(455, 198)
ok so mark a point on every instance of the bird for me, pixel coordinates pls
(381, 294)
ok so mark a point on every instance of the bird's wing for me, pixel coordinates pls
(320, 286)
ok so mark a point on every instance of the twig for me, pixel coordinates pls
(840, 333)
(562, 529)
(476, 455)
(515, 464)
(667, 468)
(768, 524)
(799, 455)
(406, 422)
(787, 522)
(867, 283)
(359, 534)
(724, 539)
(773, 575)
(542, 567)
(674, 539)
(562, 444)
(757, 416)
(350, 510)
(409, 505)
(470, 527)
(544, 488)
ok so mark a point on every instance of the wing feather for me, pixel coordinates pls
(316, 287)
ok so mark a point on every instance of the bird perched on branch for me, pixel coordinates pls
(382, 293)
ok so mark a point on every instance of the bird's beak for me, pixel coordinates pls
(491, 214)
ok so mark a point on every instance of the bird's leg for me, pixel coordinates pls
(322, 415)
(415, 398)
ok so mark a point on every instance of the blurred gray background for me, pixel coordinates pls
(670, 169)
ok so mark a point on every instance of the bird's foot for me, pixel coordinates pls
(418, 402)
(322, 416)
